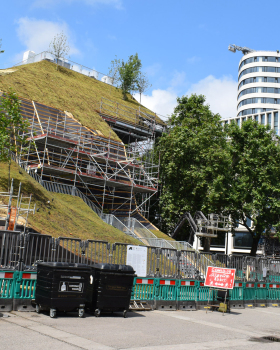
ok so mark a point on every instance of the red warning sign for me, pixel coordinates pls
(219, 277)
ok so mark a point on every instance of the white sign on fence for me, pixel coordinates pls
(137, 258)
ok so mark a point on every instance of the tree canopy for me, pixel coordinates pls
(229, 170)
(126, 74)
(12, 128)
(192, 160)
(254, 193)
(59, 47)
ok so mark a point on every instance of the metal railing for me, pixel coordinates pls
(23, 252)
(112, 220)
(64, 62)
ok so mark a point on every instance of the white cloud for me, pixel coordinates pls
(50, 3)
(161, 101)
(178, 80)
(36, 35)
(220, 94)
(193, 59)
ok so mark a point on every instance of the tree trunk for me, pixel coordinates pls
(207, 244)
(254, 246)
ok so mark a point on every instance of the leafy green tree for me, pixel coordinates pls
(128, 75)
(13, 128)
(254, 191)
(193, 159)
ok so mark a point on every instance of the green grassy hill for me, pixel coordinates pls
(65, 216)
(66, 90)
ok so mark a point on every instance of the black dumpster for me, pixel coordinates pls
(63, 286)
(112, 288)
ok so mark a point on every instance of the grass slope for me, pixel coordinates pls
(66, 90)
(162, 235)
(65, 216)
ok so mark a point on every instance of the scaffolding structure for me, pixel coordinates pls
(119, 179)
(17, 206)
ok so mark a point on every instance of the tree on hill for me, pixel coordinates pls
(142, 84)
(127, 74)
(59, 47)
(114, 71)
(254, 191)
(13, 128)
(193, 159)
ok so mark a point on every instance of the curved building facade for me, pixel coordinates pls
(258, 83)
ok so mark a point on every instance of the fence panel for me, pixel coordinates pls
(274, 270)
(153, 261)
(119, 253)
(96, 252)
(68, 250)
(11, 249)
(237, 262)
(221, 260)
(251, 264)
(37, 248)
(188, 264)
(168, 263)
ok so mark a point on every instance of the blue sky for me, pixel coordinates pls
(182, 44)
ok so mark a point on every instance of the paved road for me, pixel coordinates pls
(154, 330)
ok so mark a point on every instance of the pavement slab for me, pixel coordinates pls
(153, 330)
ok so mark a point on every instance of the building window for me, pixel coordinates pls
(256, 118)
(238, 121)
(276, 122)
(263, 119)
(269, 119)
(219, 241)
(242, 240)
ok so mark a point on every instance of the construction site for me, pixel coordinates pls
(107, 160)
(80, 191)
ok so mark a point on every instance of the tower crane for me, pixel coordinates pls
(244, 49)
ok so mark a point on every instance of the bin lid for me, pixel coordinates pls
(63, 265)
(114, 267)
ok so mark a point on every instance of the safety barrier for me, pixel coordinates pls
(166, 294)
(174, 278)
(273, 298)
(24, 293)
(144, 289)
(237, 296)
(186, 295)
(7, 287)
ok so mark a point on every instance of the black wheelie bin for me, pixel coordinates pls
(112, 288)
(63, 286)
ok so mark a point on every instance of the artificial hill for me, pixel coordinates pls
(67, 90)
(80, 95)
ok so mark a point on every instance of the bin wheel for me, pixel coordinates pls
(97, 313)
(53, 313)
(125, 313)
(38, 309)
(81, 313)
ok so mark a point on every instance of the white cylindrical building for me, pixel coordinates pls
(258, 83)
